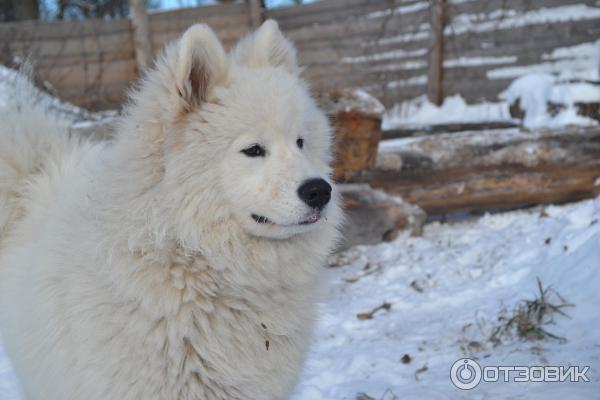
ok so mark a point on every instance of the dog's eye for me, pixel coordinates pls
(254, 151)
(300, 143)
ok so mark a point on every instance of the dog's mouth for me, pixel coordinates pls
(311, 219)
(261, 220)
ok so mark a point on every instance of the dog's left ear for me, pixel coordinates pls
(201, 63)
(267, 47)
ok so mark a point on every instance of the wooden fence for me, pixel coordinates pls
(383, 46)
(92, 63)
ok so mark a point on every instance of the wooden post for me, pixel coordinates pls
(435, 75)
(256, 13)
(141, 34)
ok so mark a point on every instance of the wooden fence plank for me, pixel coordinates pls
(141, 34)
(255, 13)
(435, 73)
(74, 46)
(93, 74)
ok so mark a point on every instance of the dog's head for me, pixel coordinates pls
(245, 139)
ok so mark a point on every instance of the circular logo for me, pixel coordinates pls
(465, 373)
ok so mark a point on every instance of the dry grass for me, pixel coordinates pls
(530, 318)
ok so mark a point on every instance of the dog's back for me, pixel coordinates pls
(41, 166)
(32, 141)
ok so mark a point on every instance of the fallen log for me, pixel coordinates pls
(489, 170)
(373, 216)
(408, 131)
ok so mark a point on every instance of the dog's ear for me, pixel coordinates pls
(201, 63)
(267, 47)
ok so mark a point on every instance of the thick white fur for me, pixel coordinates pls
(133, 270)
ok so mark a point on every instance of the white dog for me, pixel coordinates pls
(181, 260)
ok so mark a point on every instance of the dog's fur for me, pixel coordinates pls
(132, 269)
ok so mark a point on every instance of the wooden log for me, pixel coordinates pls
(590, 110)
(496, 169)
(413, 131)
(373, 216)
(356, 119)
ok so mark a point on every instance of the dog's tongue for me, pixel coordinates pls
(313, 218)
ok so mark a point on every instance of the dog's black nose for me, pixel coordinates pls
(315, 192)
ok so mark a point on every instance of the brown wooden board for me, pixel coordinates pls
(502, 169)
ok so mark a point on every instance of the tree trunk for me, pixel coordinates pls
(373, 216)
(435, 75)
(255, 9)
(141, 34)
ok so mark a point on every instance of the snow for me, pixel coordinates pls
(387, 55)
(508, 19)
(8, 382)
(367, 102)
(535, 91)
(566, 69)
(406, 65)
(420, 111)
(96, 125)
(401, 10)
(420, 34)
(414, 81)
(581, 61)
(446, 290)
(588, 49)
(478, 61)
(347, 100)
(11, 80)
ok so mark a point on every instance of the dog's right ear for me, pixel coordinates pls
(267, 47)
(201, 63)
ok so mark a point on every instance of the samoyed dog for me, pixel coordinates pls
(180, 260)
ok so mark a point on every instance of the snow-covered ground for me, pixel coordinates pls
(421, 112)
(446, 290)
(8, 383)
(12, 80)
